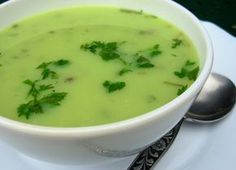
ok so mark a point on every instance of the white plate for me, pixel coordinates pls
(197, 147)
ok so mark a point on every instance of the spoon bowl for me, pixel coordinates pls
(215, 100)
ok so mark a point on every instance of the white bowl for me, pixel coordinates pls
(90, 145)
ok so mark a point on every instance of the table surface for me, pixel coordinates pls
(220, 12)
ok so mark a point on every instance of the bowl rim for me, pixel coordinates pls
(124, 125)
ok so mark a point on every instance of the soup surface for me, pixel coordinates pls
(92, 65)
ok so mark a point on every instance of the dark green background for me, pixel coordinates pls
(220, 12)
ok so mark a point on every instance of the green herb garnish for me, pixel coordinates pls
(31, 107)
(44, 65)
(45, 87)
(108, 51)
(33, 90)
(151, 52)
(36, 105)
(46, 72)
(113, 86)
(42, 94)
(176, 42)
(192, 75)
(143, 62)
(182, 89)
(61, 62)
(155, 51)
(54, 98)
(124, 71)
(188, 71)
(182, 73)
(190, 63)
(49, 73)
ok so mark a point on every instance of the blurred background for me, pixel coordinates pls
(220, 12)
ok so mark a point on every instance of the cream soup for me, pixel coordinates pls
(92, 65)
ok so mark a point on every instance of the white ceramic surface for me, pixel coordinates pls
(197, 147)
(79, 145)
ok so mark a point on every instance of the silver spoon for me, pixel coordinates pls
(213, 103)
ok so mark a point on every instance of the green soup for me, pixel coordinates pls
(92, 65)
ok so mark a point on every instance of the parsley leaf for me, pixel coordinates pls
(182, 89)
(92, 47)
(33, 90)
(107, 51)
(188, 71)
(182, 73)
(37, 102)
(61, 62)
(44, 65)
(176, 42)
(124, 71)
(36, 106)
(113, 86)
(29, 108)
(151, 52)
(45, 87)
(53, 98)
(143, 62)
(189, 63)
(48, 72)
(155, 51)
(192, 75)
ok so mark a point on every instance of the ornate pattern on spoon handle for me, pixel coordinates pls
(151, 155)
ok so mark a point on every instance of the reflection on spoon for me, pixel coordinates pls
(214, 102)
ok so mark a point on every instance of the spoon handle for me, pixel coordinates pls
(151, 155)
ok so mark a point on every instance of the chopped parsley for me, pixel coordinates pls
(54, 98)
(124, 71)
(151, 52)
(143, 62)
(45, 87)
(176, 42)
(188, 71)
(49, 73)
(33, 90)
(113, 86)
(182, 90)
(46, 72)
(41, 94)
(192, 75)
(155, 51)
(190, 63)
(182, 73)
(35, 105)
(107, 51)
(61, 62)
